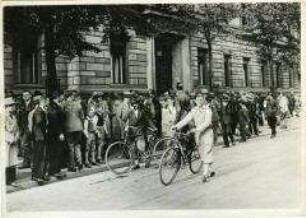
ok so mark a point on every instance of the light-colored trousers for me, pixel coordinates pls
(204, 141)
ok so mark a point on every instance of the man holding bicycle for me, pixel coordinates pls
(202, 117)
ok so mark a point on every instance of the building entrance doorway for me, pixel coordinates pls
(163, 61)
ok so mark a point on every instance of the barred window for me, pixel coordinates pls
(118, 53)
(26, 63)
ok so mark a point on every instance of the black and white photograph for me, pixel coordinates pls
(151, 106)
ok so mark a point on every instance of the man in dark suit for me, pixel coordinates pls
(226, 120)
(39, 130)
(55, 138)
(243, 121)
(139, 117)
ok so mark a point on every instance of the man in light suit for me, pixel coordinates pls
(74, 119)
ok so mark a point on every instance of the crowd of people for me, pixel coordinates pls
(69, 131)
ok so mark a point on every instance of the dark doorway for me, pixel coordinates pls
(163, 61)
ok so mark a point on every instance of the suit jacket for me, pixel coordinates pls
(74, 116)
(225, 116)
(56, 120)
(39, 128)
(137, 121)
(23, 112)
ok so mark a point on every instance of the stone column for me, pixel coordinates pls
(151, 82)
(186, 64)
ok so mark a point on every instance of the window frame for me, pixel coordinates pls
(117, 55)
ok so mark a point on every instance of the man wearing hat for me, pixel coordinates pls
(24, 109)
(226, 119)
(271, 110)
(55, 137)
(74, 119)
(39, 131)
(11, 140)
(201, 115)
(252, 108)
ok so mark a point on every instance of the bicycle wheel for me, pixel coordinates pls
(170, 165)
(118, 158)
(160, 147)
(195, 162)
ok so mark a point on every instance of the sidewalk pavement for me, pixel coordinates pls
(24, 175)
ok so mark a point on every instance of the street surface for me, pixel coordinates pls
(259, 174)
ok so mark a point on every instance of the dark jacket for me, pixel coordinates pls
(225, 116)
(39, 128)
(56, 120)
(271, 108)
(251, 106)
(74, 116)
(23, 112)
(243, 116)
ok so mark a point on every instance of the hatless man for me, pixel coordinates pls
(24, 109)
(201, 115)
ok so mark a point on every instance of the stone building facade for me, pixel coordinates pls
(149, 63)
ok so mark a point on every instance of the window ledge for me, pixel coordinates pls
(30, 86)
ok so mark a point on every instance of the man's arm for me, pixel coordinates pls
(188, 118)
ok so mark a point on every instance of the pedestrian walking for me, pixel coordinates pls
(270, 112)
(226, 120)
(243, 121)
(252, 112)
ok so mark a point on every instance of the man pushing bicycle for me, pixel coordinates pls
(201, 115)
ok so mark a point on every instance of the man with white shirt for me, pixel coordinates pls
(201, 114)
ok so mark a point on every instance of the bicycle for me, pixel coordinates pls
(120, 155)
(176, 156)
